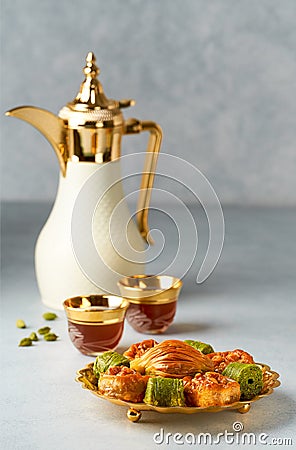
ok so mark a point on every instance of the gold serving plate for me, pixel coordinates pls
(86, 377)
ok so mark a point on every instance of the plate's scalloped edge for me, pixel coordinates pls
(87, 385)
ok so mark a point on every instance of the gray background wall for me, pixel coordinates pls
(218, 75)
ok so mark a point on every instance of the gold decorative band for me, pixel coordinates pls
(150, 289)
(96, 309)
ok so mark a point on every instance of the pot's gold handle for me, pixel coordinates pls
(133, 126)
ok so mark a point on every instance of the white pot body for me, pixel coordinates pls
(81, 256)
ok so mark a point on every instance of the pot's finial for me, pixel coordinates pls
(91, 94)
(91, 69)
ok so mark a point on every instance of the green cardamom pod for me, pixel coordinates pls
(44, 330)
(50, 337)
(25, 342)
(20, 323)
(33, 336)
(49, 316)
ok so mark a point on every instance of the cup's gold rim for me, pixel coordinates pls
(136, 294)
(89, 315)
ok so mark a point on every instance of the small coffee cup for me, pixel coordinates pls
(95, 322)
(152, 300)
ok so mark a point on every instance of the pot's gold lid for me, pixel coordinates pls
(91, 99)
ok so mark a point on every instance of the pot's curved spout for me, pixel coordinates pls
(50, 125)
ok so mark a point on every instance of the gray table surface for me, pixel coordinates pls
(248, 302)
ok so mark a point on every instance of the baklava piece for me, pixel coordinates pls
(164, 392)
(222, 359)
(210, 389)
(123, 383)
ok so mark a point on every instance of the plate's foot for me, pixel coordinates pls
(134, 415)
(244, 409)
